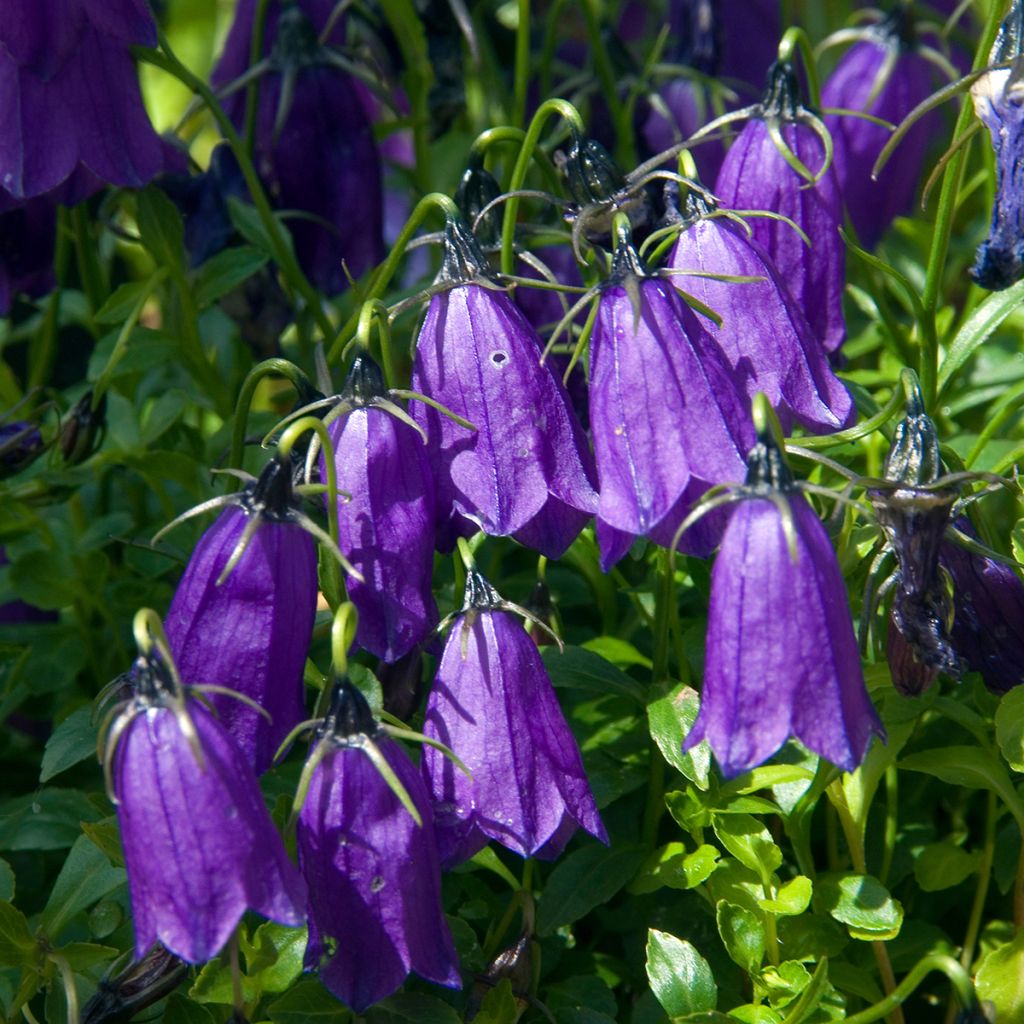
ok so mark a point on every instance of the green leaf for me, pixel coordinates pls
(247, 222)
(180, 1010)
(1000, 980)
(791, 899)
(45, 579)
(215, 984)
(107, 836)
(499, 1006)
(17, 944)
(674, 867)
(6, 881)
(416, 1008)
(276, 957)
(1010, 727)
(308, 1001)
(862, 903)
(225, 271)
(979, 326)
(579, 669)
(742, 933)
(618, 652)
(46, 820)
(751, 1014)
(72, 741)
(161, 227)
(162, 414)
(679, 975)
(749, 842)
(584, 880)
(368, 685)
(86, 877)
(943, 865)
(670, 719)
(118, 307)
(83, 955)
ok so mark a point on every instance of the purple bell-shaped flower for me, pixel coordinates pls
(764, 333)
(243, 612)
(756, 176)
(769, 676)
(373, 873)
(526, 469)
(493, 704)
(199, 846)
(386, 522)
(666, 415)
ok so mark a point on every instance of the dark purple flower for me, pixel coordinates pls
(386, 526)
(988, 627)
(493, 704)
(755, 176)
(769, 674)
(999, 103)
(764, 333)
(199, 845)
(314, 146)
(886, 76)
(27, 238)
(248, 629)
(20, 445)
(748, 33)
(374, 880)
(667, 418)
(72, 113)
(525, 470)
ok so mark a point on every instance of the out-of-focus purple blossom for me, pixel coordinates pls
(755, 176)
(314, 147)
(386, 525)
(666, 414)
(769, 676)
(493, 704)
(199, 846)
(373, 873)
(72, 116)
(764, 333)
(21, 444)
(885, 75)
(526, 469)
(988, 623)
(748, 34)
(27, 238)
(248, 630)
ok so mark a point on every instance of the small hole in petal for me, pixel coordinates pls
(499, 358)
(377, 884)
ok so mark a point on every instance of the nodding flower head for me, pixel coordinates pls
(374, 870)
(199, 846)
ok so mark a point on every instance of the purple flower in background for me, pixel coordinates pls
(764, 333)
(493, 704)
(72, 115)
(374, 879)
(27, 238)
(526, 469)
(199, 846)
(667, 418)
(988, 627)
(386, 526)
(314, 146)
(755, 176)
(884, 75)
(248, 629)
(770, 675)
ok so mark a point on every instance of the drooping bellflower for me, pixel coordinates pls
(386, 522)
(885, 75)
(764, 333)
(374, 878)
(756, 176)
(72, 116)
(199, 845)
(248, 628)
(493, 704)
(314, 146)
(526, 469)
(781, 659)
(666, 414)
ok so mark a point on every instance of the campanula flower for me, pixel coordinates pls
(756, 176)
(374, 879)
(199, 846)
(72, 115)
(27, 237)
(386, 522)
(493, 704)
(526, 469)
(247, 628)
(884, 74)
(764, 333)
(666, 414)
(769, 676)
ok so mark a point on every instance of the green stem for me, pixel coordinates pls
(522, 80)
(796, 39)
(375, 309)
(891, 821)
(42, 352)
(252, 91)
(281, 367)
(89, 270)
(935, 962)
(343, 631)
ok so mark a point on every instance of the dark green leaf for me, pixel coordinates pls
(46, 820)
(180, 1010)
(162, 414)
(161, 227)
(943, 865)
(579, 669)
(584, 880)
(107, 836)
(6, 881)
(742, 933)
(368, 685)
(247, 222)
(17, 944)
(583, 992)
(225, 271)
(617, 651)
(679, 975)
(1010, 728)
(499, 1006)
(670, 718)
(862, 903)
(45, 579)
(308, 1001)
(83, 955)
(86, 877)
(72, 741)
(118, 307)
(979, 326)
(414, 1007)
